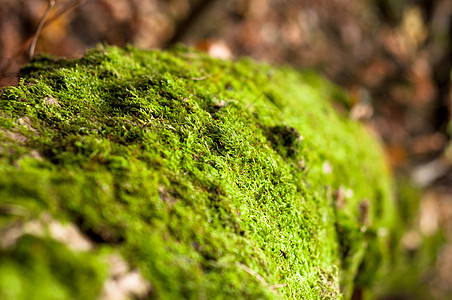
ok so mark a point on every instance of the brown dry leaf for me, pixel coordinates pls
(215, 48)
(429, 214)
(425, 144)
(413, 29)
(396, 154)
(425, 174)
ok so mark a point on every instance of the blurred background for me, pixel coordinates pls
(393, 58)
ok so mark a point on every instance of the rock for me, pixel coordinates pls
(189, 166)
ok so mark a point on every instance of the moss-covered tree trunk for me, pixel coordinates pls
(211, 179)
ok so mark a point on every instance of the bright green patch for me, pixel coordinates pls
(216, 179)
(37, 268)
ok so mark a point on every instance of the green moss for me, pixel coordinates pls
(38, 268)
(412, 263)
(198, 170)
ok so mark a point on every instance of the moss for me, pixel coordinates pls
(198, 170)
(39, 268)
(412, 262)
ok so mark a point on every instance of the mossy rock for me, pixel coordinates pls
(214, 179)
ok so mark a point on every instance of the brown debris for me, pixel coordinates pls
(68, 234)
(124, 283)
(51, 101)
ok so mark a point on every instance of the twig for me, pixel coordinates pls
(31, 51)
(261, 279)
(197, 78)
(4, 69)
(273, 287)
(252, 273)
(65, 9)
(277, 286)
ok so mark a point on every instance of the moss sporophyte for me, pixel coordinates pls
(206, 176)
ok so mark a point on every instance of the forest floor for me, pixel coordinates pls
(393, 58)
